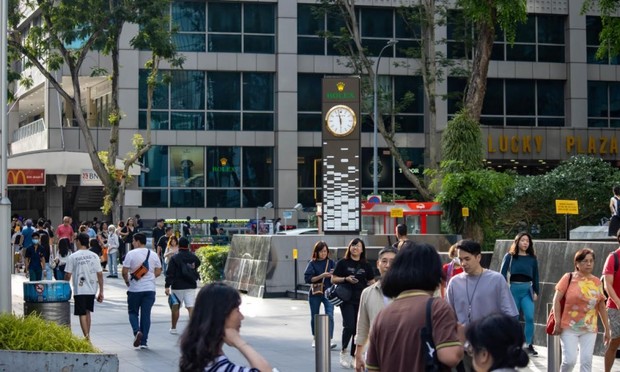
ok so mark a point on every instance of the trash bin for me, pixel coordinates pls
(49, 299)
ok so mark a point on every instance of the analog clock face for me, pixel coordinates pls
(340, 120)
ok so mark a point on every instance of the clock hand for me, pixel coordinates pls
(340, 120)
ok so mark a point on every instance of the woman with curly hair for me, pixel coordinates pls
(216, 320)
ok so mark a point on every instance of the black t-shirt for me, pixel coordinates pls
(362, 271)
(186, 228)
(129, 237)
(213, 228)
(158, 233)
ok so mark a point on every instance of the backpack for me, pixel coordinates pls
(431, 362)
(186, 271)
(616, 264)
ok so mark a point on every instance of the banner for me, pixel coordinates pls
(26, 177)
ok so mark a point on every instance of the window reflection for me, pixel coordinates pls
(187, 166)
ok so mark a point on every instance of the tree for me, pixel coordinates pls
(349, 43)
(96, 25)
(610, 34)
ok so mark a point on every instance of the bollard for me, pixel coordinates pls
(554, 351)
(321, 339)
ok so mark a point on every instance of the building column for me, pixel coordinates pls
(577, 69)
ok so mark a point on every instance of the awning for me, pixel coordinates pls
(59, 162)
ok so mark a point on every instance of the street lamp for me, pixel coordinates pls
(266, 206)
(375, 150)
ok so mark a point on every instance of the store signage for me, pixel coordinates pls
(89, 177)
(26, 177)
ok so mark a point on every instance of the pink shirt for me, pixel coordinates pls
(608, 269)
(65, 232)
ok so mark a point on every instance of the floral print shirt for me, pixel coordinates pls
(582, 296)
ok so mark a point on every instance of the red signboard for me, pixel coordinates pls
(26, 177)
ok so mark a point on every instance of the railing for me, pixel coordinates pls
(29, 129)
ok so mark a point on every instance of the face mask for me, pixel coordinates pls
(35, 241)
(456, 260)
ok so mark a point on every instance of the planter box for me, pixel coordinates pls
(44, 361)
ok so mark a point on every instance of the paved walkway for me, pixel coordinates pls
(278, 328)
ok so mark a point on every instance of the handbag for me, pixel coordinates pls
(551, 319)
(337, 294)
(143, 269)
(317, 288)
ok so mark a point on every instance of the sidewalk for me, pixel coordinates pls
(278, 328)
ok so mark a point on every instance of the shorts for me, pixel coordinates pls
(83, 303)
(185, 296)
(614, 322)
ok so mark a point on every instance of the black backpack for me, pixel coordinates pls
(185, 271)
(431, 362)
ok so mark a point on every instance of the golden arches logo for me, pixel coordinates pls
(13, 177)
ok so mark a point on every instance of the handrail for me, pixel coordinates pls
(29, 129)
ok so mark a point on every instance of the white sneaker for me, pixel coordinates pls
(332, 344)
(345, 359)
(313, 343)
(173, 331)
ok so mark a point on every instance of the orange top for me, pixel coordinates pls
(582, 296)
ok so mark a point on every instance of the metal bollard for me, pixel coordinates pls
(554, 350)
(321, 337)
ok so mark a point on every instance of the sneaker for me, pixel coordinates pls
(530, 350)
(332, 344)
(313, 343)
(173, 331)
(144, 347)
(137, 339)
(345, 359)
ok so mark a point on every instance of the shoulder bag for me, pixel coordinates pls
(551, 319)
(143, 269)
(317, 288)
(431, 362)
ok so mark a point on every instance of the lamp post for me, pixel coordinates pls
(375, 150)
(266, 206)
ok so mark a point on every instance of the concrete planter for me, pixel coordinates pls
(43, 361)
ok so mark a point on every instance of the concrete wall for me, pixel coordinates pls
(42, 361)
(554, 259)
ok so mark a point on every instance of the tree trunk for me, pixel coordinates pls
(477, 86)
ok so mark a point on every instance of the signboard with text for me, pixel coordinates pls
(566, 207)
(88, 177)
(26, 177)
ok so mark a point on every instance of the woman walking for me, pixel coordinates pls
(577, 324)
(520, 268)
(354, 273)
(318, 274)
(113, 245)
(64, 250)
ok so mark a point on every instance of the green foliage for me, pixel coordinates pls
(462, 143)
(32, 333)
(610, 34)
(587, 179)
(507, 13)
(212, 262)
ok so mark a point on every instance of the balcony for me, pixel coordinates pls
(30, 137)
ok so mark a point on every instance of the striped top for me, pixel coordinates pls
(222, 364)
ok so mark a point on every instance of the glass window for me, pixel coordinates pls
(187, 121)
(404, 85)
(258, 167)
(253, 198)
(550, 29)
(376, 22)
(456, 90)
(259, 18)
(259, 44)
(384, 168)
(187, 198)
(223, 199)
(309, 92)
(309, 159)
(155, 198)
(258, 91)
(307, 22)
(156, 160)
(224, 166)
(414, 159)
(225, 43)
(597, 99)
(189, 16)
(224, 17)
(159, 120)
(603, 104)
(309, 122)
(526, 32)
(258, 121)
(550, 97)
(187, 166)
(187, 90)
(160, 94)
(189, 42)
(224, 120)
(494, 98)
(520, 97)
(223, 90)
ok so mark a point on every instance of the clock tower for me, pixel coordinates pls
(341, 155)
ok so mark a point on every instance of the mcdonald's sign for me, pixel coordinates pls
(26, 177)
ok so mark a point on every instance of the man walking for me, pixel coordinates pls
(34, 258)
(161, 245)
(371, 302)
(83, 269)
(158, 232)
(612, 287)
(65, 230)
(401, 234)
(144, 268)
(477, 292)
(181, 276)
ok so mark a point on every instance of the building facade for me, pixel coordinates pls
(240, 124)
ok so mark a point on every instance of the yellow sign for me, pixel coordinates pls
(396, 212)
(295, 253)
(566, 207)
(465, 212)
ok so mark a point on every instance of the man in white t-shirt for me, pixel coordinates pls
(83, 269)
(141, 291)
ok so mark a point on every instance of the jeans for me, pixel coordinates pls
(315, 308)
(139, 305)
(59, 272)
(113, 263)
(349, 323)
(35, 275)
(570, 340)
(521, 292)
(48, 271)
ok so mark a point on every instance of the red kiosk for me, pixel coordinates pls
(420, 217)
